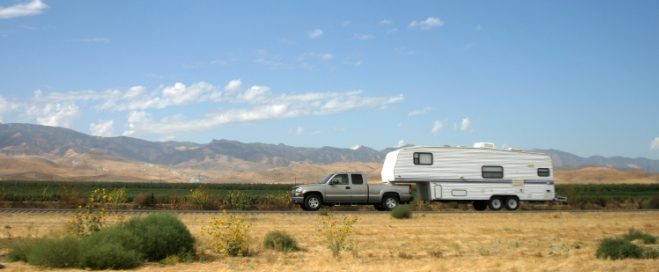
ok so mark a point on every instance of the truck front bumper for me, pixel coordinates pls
(297, 199)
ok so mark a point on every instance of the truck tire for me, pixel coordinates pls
(495, 203)
(512, 203)
(480, 205)
(312, 202)
(389, 202)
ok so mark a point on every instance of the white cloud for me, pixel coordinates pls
(315, 33)
(419, 112)
(33, 8)
(233, 85)
(365, 37)
(55, 114)
(654, 145)
(401, 143)
(314, 55)
(437, 127)
(466, 123)
(300, 131)
(386, 22)
(427, 24)
(234, 105)
(105, 129)
(6, 107)
(356, 147)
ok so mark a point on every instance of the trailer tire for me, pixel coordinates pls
(312, 202)
(480, 205)
(512, 203)
(389, 202)
(495, 203)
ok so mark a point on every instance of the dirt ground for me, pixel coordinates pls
(549, 241)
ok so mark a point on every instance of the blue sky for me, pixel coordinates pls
(578, 76)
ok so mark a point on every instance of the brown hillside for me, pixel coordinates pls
(96, 167)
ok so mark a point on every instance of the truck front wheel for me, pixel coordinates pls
(389, 202)
(312, 202)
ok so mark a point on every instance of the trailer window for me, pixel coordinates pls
(543, 172)
(423, 158)
(492, 171)
(357, 179)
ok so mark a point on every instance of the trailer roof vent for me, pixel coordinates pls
(515, 149)
(484, 145)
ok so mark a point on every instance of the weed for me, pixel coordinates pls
(161, 235)
(170, 260)
(638, 235)
(200, 197)
(402, 212)
(110, 248)
(48, 252)
(335, 235)
(280, 241)
(229, 234)
(617, 249)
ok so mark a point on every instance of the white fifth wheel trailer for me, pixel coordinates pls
(481, 175)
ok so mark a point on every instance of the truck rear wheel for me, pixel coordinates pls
(389, 202)
(512, 203)
(312, 202)
(480, 205)
(495, 203)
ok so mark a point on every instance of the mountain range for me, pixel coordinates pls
(55, 147)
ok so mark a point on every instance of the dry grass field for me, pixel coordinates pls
(555, 241)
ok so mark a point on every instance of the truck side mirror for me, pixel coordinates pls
(336, 181)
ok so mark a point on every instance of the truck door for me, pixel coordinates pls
(338, 189)
(358, 189)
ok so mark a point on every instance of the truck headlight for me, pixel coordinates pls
(297, 192)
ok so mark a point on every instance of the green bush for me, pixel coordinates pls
(161, 235)
(617, 249)
(280, 241)
(654, 203)
(18, 253)
(53, 252)
(638, 235)
(402, 212)
(110, 248)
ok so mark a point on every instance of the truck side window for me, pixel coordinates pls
(341, 179)
(543, 172)
(357, 179)
(422, 158)
(492, 171)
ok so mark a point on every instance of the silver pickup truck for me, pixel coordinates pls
(350, 189)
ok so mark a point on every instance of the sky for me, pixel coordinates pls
(577, 76)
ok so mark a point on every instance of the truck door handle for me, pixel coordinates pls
(347, 187)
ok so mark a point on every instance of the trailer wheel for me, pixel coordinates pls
(495, 203)
(480, 205)
(389, 202)
(312, 202)
(512, 203)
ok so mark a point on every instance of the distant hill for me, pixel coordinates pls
(33, 151)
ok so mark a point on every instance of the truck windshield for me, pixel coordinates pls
(324, 181)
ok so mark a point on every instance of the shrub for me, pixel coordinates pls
(280, 241)
(161, 235)
(110, 248)
(229, 234)
(144, 200)
(402, 212)
(18, 253)
(638, 235)
(617, 249)
(335, 235)
(53, 252)
(654, 203)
